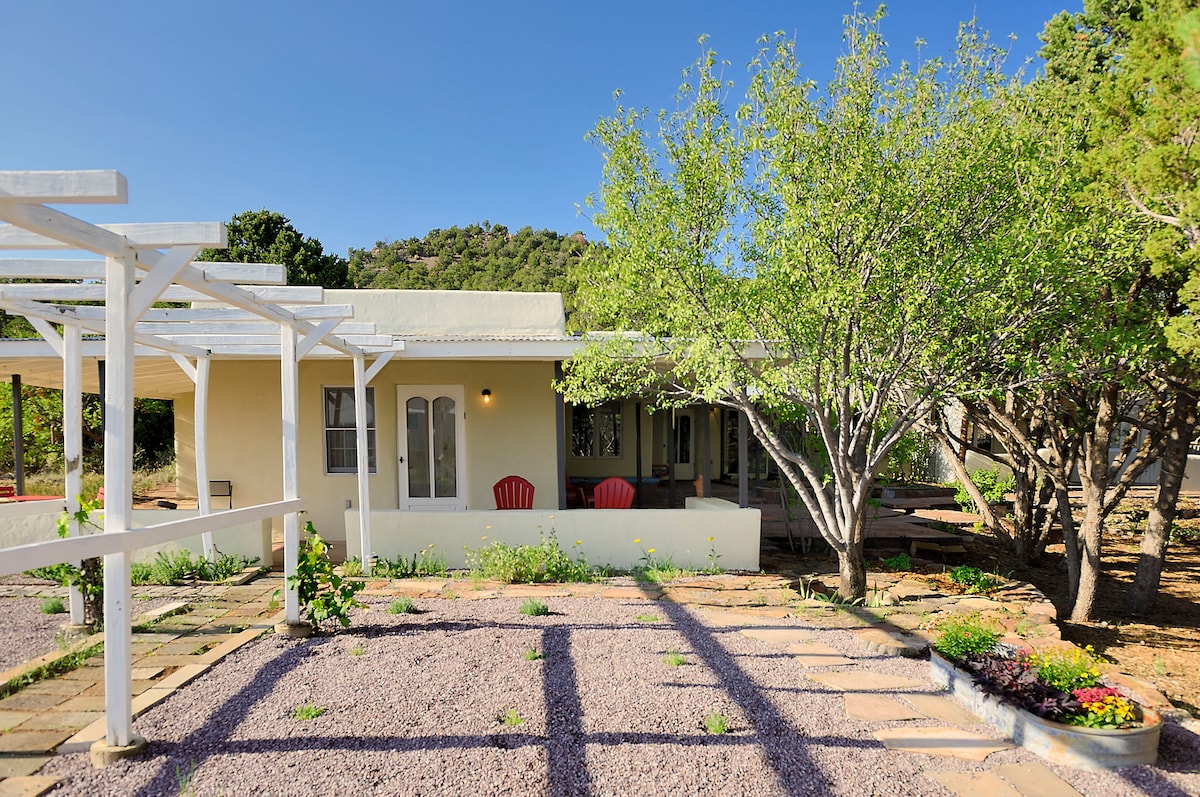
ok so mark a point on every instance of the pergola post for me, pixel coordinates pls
(73, 444)
(118, 502)
(743, 464)
(364, 460)
(18, 435)
(706, 449)
(290, 401)
(203, 498)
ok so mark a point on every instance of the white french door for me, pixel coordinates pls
(432, 455)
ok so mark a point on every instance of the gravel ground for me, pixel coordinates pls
(414, 706)
(26, 633)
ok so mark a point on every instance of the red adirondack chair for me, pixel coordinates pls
(513, 492)
(613, 493)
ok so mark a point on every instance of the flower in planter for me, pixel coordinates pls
(963, 634)
(1103, 707)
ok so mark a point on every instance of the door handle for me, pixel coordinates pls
(401, 460)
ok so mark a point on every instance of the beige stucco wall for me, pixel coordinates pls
(432, 313)
(514, 433)
(606, 535)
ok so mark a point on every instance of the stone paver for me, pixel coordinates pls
(31, 742)
(28, 701)
(27, 786)
(1035, 779)
(864, 681)
(778, 636)
(817, 654)
(974, 784)
(877, 708)
(941, 741)
(55, 687)
(61, 720)
(889, 642)
(722, 618)
(941, 708)
(16, 766)
(11, 719)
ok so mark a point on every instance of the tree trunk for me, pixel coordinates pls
(1153, 552)
(1089, 558)
(1070, 539)
(852, 570)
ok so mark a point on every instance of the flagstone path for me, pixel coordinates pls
(180, 642)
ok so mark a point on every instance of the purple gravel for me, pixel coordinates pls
(419, 711)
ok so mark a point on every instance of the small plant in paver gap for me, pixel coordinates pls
(533, 654)
(674, 658)
(358, 649)
(323, 593)
(52, 606)
(352, 568)
(402, 605)
(307, 711)
(534, 608)
(974, 579)
(716, 723)
(426, 562)
(900, 563)
(962, 634)
(512, 718)
(658, 569)
(647, 618)
(713, 558)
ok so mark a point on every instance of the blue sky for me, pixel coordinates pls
(366, 121)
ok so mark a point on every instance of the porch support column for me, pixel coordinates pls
(364, 460)
(18, 435)
(73, 444)
(290, 401)
(637, 427)
(743, 465)
(118, 497)
(560, 437)
(203, 496)
(706, 448)
(671, 460)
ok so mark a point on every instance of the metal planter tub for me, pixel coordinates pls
(1094, 749)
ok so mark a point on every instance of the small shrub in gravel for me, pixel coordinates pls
(52, 606)
(533, 607)
(512, 718)
(307, 711)
(533, 654)
(647, 618)
(402, 606)
(716, 723)
(674, 658)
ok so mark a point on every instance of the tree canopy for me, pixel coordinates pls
(843, 258)
(265, 236)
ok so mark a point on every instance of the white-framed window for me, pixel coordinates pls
(596, 431)
(341, 449)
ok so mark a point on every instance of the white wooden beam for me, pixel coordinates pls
(207, 234)
(315, 336)
(290, 402)
(73, 446)
(107, 187)
(93, 269)
(68, 292)
(38, 222)
(378, 365)
(204, 499)
(186, 366)
(252, 325)
(161, 275)
(49, 334)
(364, 470)
(57, 314)
(118, 500)
(214, 314)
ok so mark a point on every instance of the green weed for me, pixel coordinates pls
(533, 607)
(307, 711)
(674, 658)
(52, 606)
(402, 605)
(716, 723)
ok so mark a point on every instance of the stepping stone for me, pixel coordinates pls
(11, 719)
(972, 784)
(18, 766)
(31, 742)
(864, 681)
(888, 642)
(943, 741)
(54, 686)
(631, 593)
(909, 590)
(29, 701)
(877, 708)
(727, 619)
(147, 673)
(1036, 780)
(942, 708)
(27, 786)
(62, 720)
(779, 636)
(90, 703)
(979, 604)
(817, 654)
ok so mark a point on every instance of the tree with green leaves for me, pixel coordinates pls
(264, 236)
(838, 259)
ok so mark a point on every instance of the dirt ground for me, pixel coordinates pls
(1163, 648)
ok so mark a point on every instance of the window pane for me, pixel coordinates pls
(581, 432)
(608, 432)
(445, 458)
(341, 450)
(340, 440)
(683, 439)
(339, 407)
(417, 411)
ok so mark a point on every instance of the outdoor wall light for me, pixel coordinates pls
(487, 396)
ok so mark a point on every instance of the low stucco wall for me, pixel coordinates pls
(21, 524)
(606, 535)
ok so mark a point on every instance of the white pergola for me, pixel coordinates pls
(254, 314)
